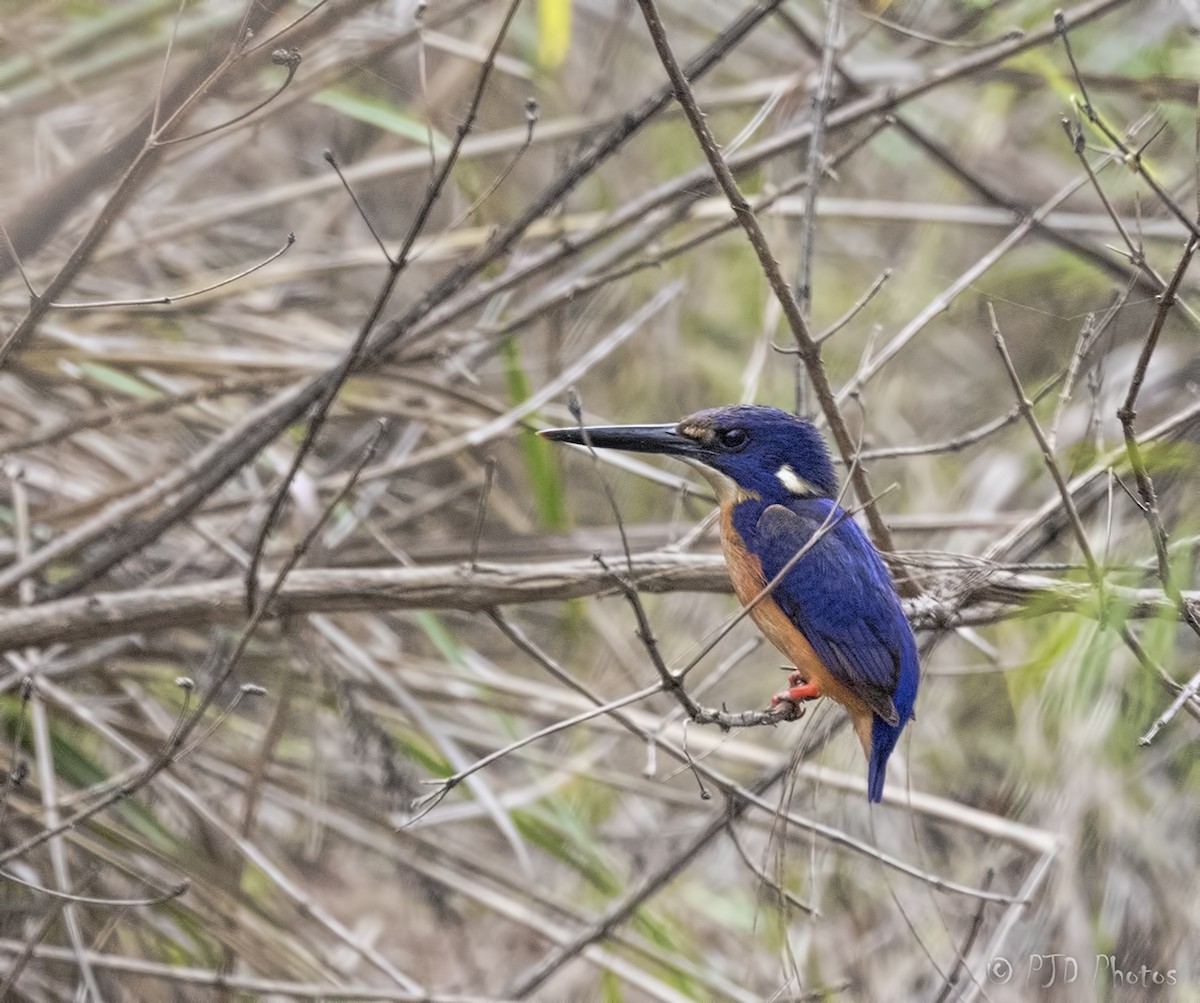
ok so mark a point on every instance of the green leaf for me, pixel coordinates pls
(116, 379)
(381, 114)
(439, 636)
(540, 466)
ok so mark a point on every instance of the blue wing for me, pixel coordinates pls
(840, 596)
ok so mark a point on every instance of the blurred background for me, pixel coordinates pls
(200, 803)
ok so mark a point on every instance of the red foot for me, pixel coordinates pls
(799, 690)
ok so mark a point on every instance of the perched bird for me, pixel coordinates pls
(834, 613)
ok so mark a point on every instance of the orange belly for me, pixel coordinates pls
(745, 570)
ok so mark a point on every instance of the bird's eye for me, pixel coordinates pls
(733, 438)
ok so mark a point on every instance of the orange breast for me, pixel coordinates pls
(745, 570)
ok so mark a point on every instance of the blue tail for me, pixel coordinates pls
(883, 740)
(883, 735)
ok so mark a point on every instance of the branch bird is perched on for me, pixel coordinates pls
(834, 613)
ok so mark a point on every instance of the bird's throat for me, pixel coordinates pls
(727, 490)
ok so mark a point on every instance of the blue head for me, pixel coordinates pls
(743, 449)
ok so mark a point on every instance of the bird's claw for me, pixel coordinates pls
(799, 691)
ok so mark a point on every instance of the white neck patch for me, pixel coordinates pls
(796, 484)
(727, 490)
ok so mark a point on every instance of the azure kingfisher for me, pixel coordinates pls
(834, 613)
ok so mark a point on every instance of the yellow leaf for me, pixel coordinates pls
(554, 32)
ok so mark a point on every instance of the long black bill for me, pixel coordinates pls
(633, 438)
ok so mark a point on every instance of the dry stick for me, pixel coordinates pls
(781, 893)
(808, 224)
(25, 952)
(1087, 338)
(951, 41)
(176, 975)
(258, 768)
(40, 734)
(972, 935)
(185, 490)
(1075, 135)
(489, 475)
(575, 407)
(174, 893)
(18, 766)
(423, 805)
(289, 59)
(396, 266)
(994, 948)
(810, 352)
(1026, 407)
(996, 595)
(1127, 415)
(853, 312)
(727, 665)
(180, 297)
(531, 120)
(670, 682)
(452, 586)
(332, 161)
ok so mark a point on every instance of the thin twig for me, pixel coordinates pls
(1026, 407)
(173, 298)
(808, 223)
(810, 352)
(1132, 158)
(332, 161)
(968, 943)
(166, 896)
(1127, 415)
